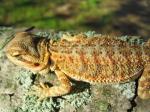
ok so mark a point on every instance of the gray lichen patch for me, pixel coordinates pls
(7, 76)
(30, 103)
(106, 98)
(127, 89)
(9, 90)
(5, 103)
(76, 100)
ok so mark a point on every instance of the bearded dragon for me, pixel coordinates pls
(98, 59)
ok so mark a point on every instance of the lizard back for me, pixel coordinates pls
(97, 59)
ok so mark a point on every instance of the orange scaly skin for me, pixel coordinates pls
(99, 59)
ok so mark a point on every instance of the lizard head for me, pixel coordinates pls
(29, 51)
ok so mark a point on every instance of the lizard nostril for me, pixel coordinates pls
(36, 64)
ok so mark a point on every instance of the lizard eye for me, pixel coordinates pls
(15, 53)
(36, 64)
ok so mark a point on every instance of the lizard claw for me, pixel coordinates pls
(40, 90)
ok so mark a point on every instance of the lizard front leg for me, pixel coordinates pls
(43, 91)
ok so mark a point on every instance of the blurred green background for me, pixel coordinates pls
(113, 17)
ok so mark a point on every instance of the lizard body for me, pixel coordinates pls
(97, 59)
